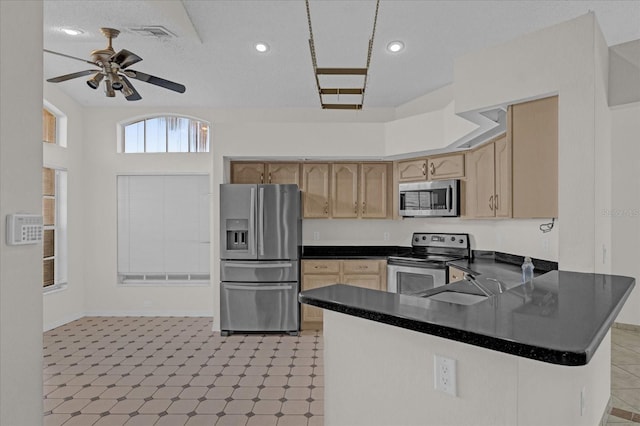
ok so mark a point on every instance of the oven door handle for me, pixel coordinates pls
(449, 191)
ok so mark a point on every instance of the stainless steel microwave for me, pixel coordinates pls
(439, 198)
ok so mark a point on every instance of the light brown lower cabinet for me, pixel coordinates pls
(367, 273)
(455, 274)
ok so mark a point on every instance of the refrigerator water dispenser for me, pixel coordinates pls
(237, 234)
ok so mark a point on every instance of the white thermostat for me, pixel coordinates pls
(24, 229)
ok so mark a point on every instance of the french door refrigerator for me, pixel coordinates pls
(260, 242)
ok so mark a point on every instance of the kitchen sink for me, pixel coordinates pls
(457, 298)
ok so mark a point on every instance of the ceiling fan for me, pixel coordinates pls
(113, 69)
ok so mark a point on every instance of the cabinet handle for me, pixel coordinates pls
(496, 202)
(326, 208)
(261, 177)
(491, 203)
(433, 168)
(321, 266)
(269, 177)
(424, 168)
(355, 207)
(364, 207)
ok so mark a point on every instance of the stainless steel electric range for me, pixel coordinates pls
(425, 266)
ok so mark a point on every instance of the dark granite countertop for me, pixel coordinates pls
(352, 252)
(561, 319)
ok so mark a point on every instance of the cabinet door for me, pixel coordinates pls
(374, 189)
(481, 182)
(344, 192)
(445, 167)
(310, 281)
(534, 135)
(455, 274)
(412, 170)
(247, 172)
(283, 173)
(502, 197)
(315, 186)
(366, 281)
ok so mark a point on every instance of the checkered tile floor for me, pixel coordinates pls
(112, 371)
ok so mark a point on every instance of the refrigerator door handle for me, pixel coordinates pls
(257, 287)
(252, 221)
(261, 223)
(258, 265)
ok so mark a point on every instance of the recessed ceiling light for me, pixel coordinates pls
(262, 47)
(71, 31)
(395, 46)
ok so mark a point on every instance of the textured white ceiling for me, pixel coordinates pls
(213, 52)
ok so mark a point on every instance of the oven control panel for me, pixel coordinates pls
(440, 240)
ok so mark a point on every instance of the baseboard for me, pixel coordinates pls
(149, 314)
(623, 326)
(63, 321)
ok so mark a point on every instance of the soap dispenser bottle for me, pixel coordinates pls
(527, 270)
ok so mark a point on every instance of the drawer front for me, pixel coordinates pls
(320, 266)
(362, 267)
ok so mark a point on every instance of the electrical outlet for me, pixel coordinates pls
(385, 236)
(316, 236)
(444, 374)
(583, 396)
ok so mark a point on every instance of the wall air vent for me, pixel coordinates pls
(153, 31)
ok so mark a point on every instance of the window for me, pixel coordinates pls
(166, 134)
(163, 229)
(54, 213)
(49, 131)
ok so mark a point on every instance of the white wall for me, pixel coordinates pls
(378, 375)
(558, 59)
(625, 209)
(20, 191)
(67, 304)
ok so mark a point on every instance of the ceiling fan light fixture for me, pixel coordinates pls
(262, 47)
(108, 89)
(395, 46)
(94, 82)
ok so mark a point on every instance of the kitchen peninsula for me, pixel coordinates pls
(526, 356)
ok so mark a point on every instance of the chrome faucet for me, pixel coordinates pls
(501, 286)
(472, 279)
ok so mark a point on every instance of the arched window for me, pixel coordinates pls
(166, 134)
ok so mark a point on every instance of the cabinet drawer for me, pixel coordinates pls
(361, 267)
(320, 266)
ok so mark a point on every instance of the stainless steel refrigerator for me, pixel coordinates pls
(260, 241)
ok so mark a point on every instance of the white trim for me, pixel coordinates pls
(63, 321)
(163, 313)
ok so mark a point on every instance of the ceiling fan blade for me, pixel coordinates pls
(70, 76)
(125, 58)
(70, 57)
(176, 87)
(134, 96)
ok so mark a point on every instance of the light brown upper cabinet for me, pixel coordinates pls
(257, 172)
(361, 190)
(242, 172)
(445, 167)
(344, 190)
(375, 190)
(283, 173)
(488, 188)
(534, 134)
(412, 170)
(315, 188)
